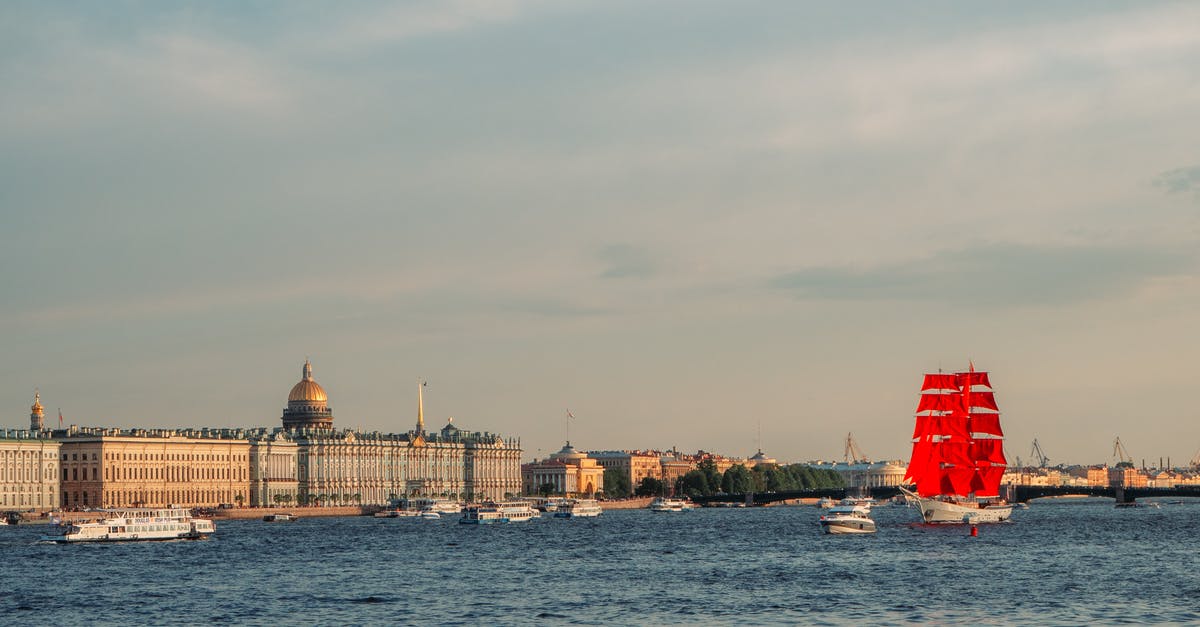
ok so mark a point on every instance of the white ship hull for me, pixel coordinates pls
(135, 526)
(937, 511)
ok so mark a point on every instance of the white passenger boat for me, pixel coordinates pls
(431, 516)
(578, 508)
(847, 519)
(398, 513)
(488, 513)
(281, 517)
(438, 506)
(118, 525)
(664, 504)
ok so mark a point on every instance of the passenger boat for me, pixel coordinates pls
(118, 525)
(398, 513)
(848, 519)
(430, 516)
(281, 517)
(438, 506)
(958, 451)
(489, 513)
(664, 504)
(578, 508)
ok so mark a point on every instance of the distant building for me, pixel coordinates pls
(29, 467)
(153, 467)
(569, 472)
(867, 474)
(635, 465)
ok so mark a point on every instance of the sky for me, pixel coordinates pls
(702, 225)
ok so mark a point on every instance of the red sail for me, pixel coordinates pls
(986, 423)
(983, 400)
(988, 452)
(939, 381)
(967, 379)
(940, 402)
(989, 479)
(947, 458)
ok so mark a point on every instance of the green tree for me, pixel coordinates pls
(616, 483)
(695, 483)
(711, 474)
(737, 480)
(649, 487)
(239, 498)
(546, 489)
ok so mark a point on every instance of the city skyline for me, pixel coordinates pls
(679, 222)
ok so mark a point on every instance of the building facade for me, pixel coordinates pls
(567, 473)
(152, 467)
(635, 465)
(28, 471)
(309, 462)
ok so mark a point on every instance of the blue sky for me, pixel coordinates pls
(684, 221)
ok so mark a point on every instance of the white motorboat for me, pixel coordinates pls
(578, 508)
(119, 525)
(281, 517)
(489, 513)
(438, 506)
(847, 519)
(664, 504)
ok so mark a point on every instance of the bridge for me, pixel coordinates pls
(1014, 493)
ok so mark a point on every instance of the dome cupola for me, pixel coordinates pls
(308, 405)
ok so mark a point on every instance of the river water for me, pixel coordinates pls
(1063, 562)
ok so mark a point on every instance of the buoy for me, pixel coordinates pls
(974, 531)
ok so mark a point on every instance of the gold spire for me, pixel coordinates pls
(37, 408)
(420, 409)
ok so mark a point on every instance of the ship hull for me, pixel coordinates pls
(937, 511)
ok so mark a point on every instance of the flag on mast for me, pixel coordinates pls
(60, 418)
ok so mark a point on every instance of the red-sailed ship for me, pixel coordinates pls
(958, 451)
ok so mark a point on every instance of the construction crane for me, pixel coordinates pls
(1120, 453)
(1039, 455)
(854, 455)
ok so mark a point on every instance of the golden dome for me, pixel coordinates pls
(37, 403)
(307, 390)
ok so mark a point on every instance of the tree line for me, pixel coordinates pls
(706, 480)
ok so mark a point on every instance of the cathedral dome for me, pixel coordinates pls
(308, 405)
(307, 390)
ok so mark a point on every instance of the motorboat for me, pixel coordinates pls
(281, 517)
(847, 519)
(578, 508)
(119, 525)
(665, 504)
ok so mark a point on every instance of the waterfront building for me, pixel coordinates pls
(568, 472)
(674, 467)
(334, 466)
(152, 467)
(29, 467)
(635, 465)
(867, 474)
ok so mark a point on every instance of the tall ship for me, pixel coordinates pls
(134, 524)
(958, 451)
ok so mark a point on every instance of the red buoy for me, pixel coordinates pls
(974, 531)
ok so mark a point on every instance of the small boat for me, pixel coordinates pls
(664, 504)
(438, 506)
(120, 525)
(579, 508)
(489, 513)
(281, 517)
(431, 516)
(1139, 504)
(397, 513)
(848, 519)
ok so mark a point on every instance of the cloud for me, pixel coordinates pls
(626, 261)
(995, 275)
(1180, 180)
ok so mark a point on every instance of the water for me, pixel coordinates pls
(1059, 563)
